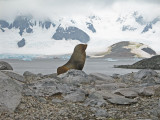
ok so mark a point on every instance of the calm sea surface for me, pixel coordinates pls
(48, 66)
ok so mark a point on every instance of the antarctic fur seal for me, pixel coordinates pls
(76, 61)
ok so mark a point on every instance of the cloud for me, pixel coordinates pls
(62, 7)
(51, 9)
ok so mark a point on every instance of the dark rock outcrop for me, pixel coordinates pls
(128, 27)
(72, 33)
(118, 50)
(150, 63)
(91, 27)
(5, 66)
(21, 43)
(4, 24)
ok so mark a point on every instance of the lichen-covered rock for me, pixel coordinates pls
(10, 93)
(5, 66)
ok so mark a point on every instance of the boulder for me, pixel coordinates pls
(5, 66)
(10, 93)
(145, 73)
(46, 87)
(74, 77)
(14, 76)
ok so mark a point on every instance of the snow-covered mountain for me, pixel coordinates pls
(25, 34)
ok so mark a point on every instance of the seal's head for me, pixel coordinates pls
(81, 47)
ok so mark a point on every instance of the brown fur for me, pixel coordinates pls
(76, 61)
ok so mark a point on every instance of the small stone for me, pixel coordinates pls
(54, 101)
(100, 112)
(157, 91)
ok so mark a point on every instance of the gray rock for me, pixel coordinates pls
(127, 92)
(121, 101)
(10, 93)
(115, 76)
(47, 87)
(146, 91)
(27, 73)
(145, 73)
(116, 99)
(5, 66)
(107, 95)
(14, 76)
(95, 100)
(78, 96)
(31, 77)
(74, 77)
(44, 87)
(101, 77)
(111, 86)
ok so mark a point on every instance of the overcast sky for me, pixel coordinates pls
(73, 7)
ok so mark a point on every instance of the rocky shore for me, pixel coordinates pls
(150, 63)
(76, 95)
